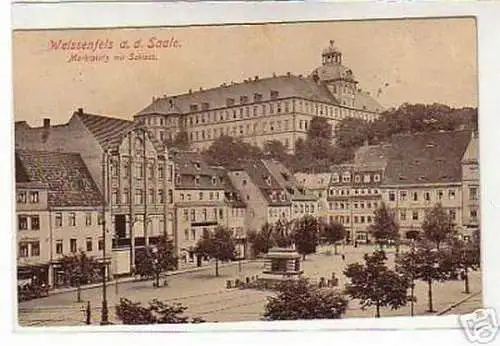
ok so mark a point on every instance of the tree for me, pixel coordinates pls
(305, 235)
(332, 233)
(428, 265)
(218, 245)
(80, 269)
(227, 151)
(384, 226)
(181, 141)
(261, 241)
(276, 150)
(155, 259)
(351, 132)
(157, 312)
(376, 285)
(464, 256)
(438, 225)
(406, 266)
(300, 300)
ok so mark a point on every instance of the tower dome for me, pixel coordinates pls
(332, 68)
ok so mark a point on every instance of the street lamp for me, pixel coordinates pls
(156, 266)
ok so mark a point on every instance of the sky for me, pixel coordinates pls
(411, 60)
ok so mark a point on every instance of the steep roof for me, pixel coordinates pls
(287, 86)
(426, 158)
(69, 181)
(287, 180)
(372, 157)
(192, 172)
(313, 181)
(110, 131)
(472, 153)
(364, 101)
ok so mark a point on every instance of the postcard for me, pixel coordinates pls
(248, 172)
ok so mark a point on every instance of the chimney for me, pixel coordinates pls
(190, 91)
(46, 123)
(201, 88)
(288, 74)
(256, 77)
(80, 111)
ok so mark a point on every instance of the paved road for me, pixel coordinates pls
(206, 296)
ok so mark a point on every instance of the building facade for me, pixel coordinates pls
(60, 211)
(258, 110)
(131, 169)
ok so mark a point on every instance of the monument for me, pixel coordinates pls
(281, 264)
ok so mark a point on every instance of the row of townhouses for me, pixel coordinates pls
(98, 175)
(411, 174)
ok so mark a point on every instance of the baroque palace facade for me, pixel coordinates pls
(259, 110)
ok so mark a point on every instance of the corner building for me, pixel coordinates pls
(258, 110)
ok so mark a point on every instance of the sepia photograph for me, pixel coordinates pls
(247, 172)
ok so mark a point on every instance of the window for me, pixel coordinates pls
(186, 215)
(21, 197)
(440, 195)
(197, 180)
(414, 215)
(186, 234)
(451, 194)
(415, 196)
(23, 250)
(193, 215)
(22, 222)
(221, 214)
(357, 179)
(376, 178)
(114, 197)
(392, 196)
(125, 196)
(100, 244)
(193, 234)
(88, 243)
(427, 196)
(335, 178)
(473, 214)
(161, 171)
(402, 215)
(88, 219)
(58, 220)
(35, 222)
(126, 168)
(72, 219)
(403, 195)
(151, 171)
(35, 249)
(34, 197)
(138, 196)
(72, 245)
(211, 195)
(201, 196)
(59, 247)
(161, 197)
(453, 214)
(346, 177)
(473, 193)
(356, 219)
(138, 170)
(170, 196)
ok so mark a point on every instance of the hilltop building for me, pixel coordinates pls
(258, 109)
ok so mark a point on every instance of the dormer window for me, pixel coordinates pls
(274, 94)
(357, 179)
(229, 102)
(193, 108)
(282, 196)
(214, 180)
(197, 180)
(257, 97)
(243, 99)
(346, 177)
(205, 106)
(335, 178)
(285, 176)
(376, 178)
(196, 165)
(177, 179)
(268, 180)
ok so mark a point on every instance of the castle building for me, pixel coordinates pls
(258, 110)
(59, 212)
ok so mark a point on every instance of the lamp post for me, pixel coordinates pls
(156, 266)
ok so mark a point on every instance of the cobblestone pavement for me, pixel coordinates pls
(206, 296)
